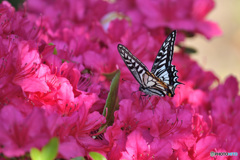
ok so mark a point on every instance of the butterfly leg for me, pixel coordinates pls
(134, 92)
(142, 95)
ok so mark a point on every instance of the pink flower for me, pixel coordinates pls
(20, 133)
(186, 15)
(204, 146)
(124, 125)
(16, 23)
(160, 122)
(7, 17)
(160, 149)
(117, 141)
(75, 11)
(229, 89)
(77, 129)
(200, 127)
(56, 62)
(51, 59)
(225, 112)
(93, 60)
(29, 69)
(136, 38)
(126, 121)
(225, 98)
(7, 70)
(172, 123)
(136, 147)
(67, 152)
(189, 71)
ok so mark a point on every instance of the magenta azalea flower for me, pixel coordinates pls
(186, 15)
(59, 77)
(19, 133)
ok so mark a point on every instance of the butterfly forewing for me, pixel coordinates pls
(137, 68)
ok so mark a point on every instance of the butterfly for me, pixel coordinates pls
(162, 80)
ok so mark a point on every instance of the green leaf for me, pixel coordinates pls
(86, 71)
(96, 156)
(111, 75)
(35, 154)
(15, 4)
(189, 50)
(78, 158)
(54, 50)
(112, 99)
(189, 34)
(49, 151)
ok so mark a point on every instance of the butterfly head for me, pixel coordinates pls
(152, 91)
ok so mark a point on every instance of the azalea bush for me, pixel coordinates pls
(62, 76)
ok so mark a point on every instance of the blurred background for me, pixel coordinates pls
(221, 54)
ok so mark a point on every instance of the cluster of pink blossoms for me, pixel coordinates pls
(53, 57)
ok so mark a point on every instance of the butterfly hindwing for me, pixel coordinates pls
(162, 66)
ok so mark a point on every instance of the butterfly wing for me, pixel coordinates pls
(162, 66)
(149, 83)
(136, 67)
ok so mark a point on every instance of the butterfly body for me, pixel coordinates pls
(154, 86)
(162, 80)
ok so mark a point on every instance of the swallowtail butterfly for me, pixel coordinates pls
(162, 80)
